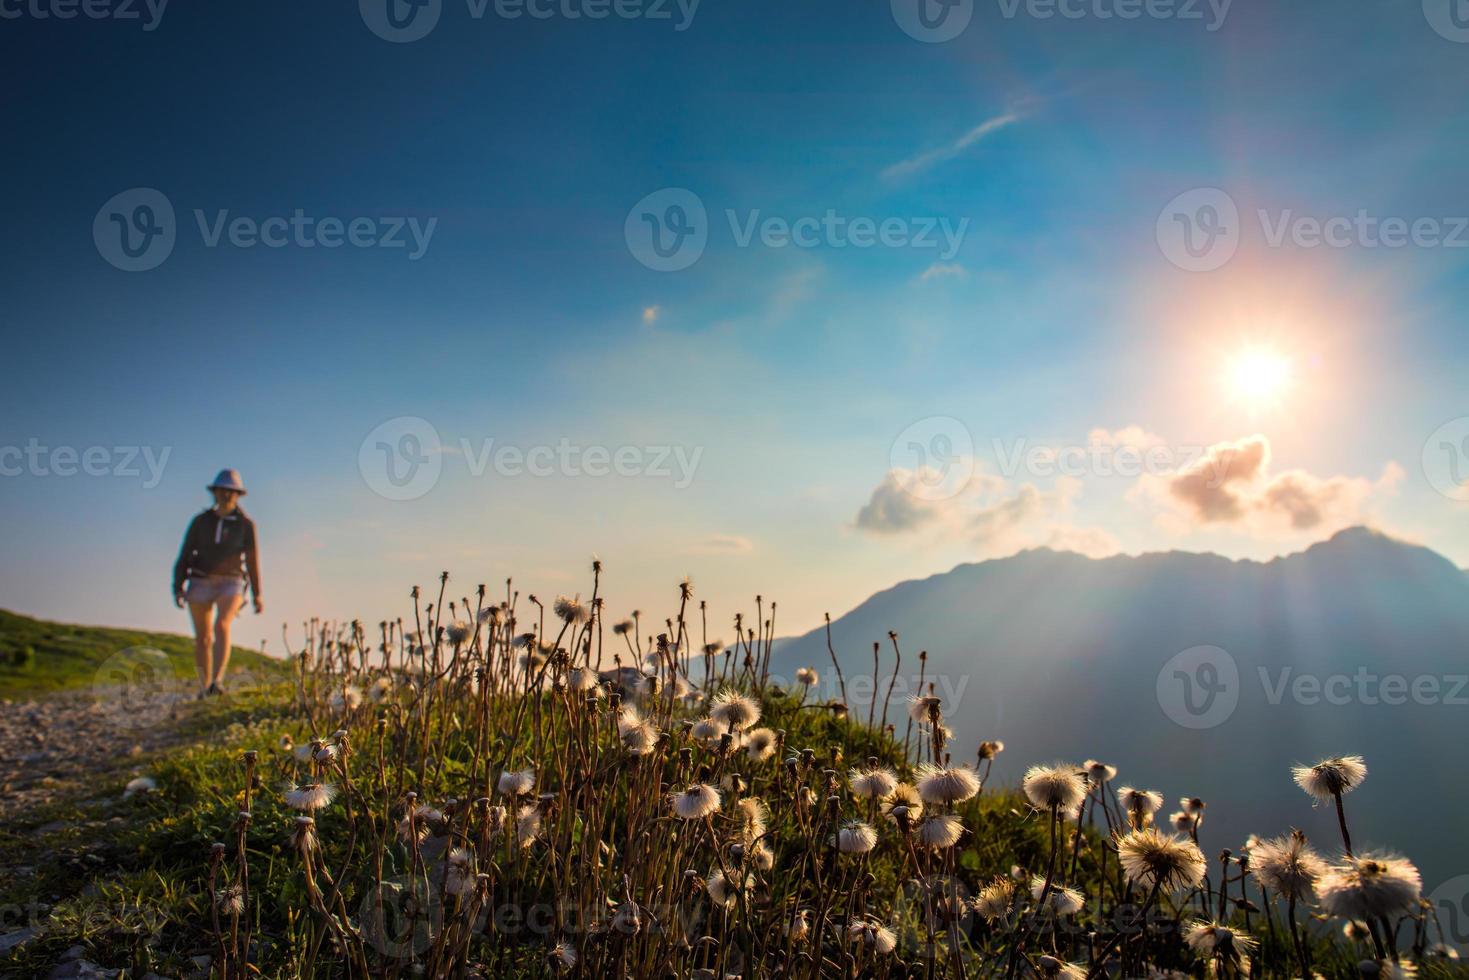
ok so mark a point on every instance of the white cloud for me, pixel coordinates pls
(995, 517)
(943, 270)
(1232, 486)
(1127, 437)
(923, 161)
(722, 544)
(893, 508)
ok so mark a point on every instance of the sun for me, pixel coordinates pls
(1259, 377)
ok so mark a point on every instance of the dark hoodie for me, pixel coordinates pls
(216, 545)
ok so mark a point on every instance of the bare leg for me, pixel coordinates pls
(202, 613)
(228, 607)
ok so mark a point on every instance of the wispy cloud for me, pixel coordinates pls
(944, 270)
(722, 544)
(923, 161)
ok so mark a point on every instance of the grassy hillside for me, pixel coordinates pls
(37, 656)
(487, 803)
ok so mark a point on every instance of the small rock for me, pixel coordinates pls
(81, 970)
(74, 953)
(13, 940)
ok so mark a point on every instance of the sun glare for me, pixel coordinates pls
(1259, 377)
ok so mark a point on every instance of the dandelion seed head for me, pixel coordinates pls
(925, 709)
(1213, 938)
(1057, 787)
(696, 802)
(940, 830)
(735, 710)
(1330, 778)
(138, 785)
(946, 785)
(1140, 804)
(527, 824)
(725, 892)
(1288, 866)
(760, 744)
(876, 937)
(708, 730)
(516, 783)
(230, 900)
(1060, 901)
(874, 783)
(1370, 886)
(303, 834)
(417, 823)
(995, 898)
(990, 749)
(310, 797)
(856, 837)
(1051, 968)
(570, 610)
(1151, 859)
(562, 957)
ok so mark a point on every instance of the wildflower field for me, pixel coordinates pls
(497, 786)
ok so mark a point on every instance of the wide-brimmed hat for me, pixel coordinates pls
(228, 480)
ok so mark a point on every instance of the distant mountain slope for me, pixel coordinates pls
(1356, 645)
(37, 656)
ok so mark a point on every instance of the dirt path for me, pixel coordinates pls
(59, 745)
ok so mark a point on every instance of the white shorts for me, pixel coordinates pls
(212, 588)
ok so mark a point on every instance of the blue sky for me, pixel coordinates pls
(1054, 143)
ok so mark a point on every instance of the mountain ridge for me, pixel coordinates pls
(1069, 657)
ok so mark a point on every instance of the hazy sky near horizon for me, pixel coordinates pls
(703, 293)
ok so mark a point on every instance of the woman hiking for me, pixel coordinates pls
(217, 558)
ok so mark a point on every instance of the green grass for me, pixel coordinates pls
(126, 879)
(131, 891)
(38, 657)
(120, 877)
